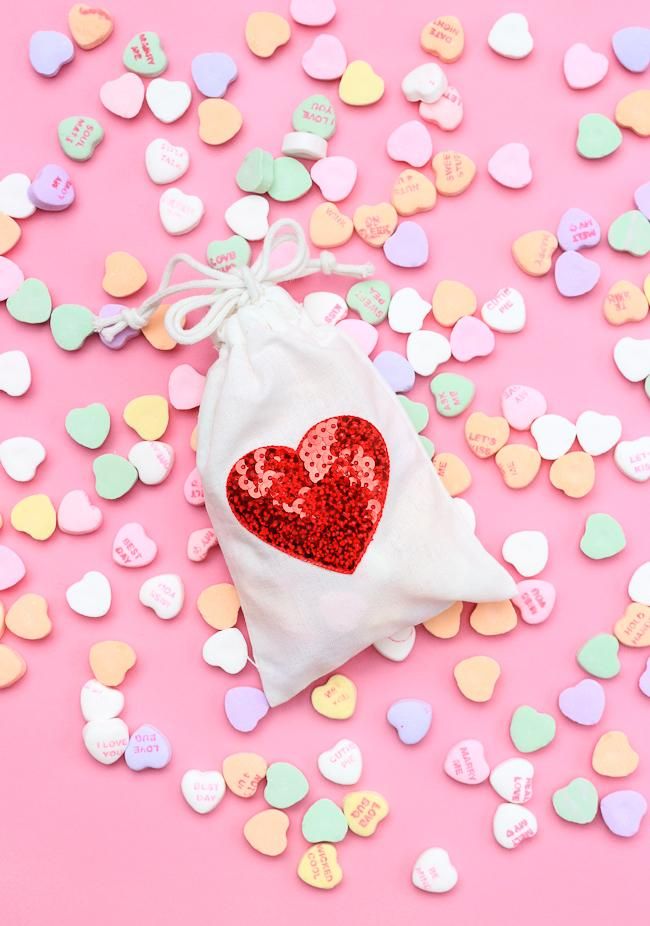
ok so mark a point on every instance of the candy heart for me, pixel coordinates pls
(79, 136)
(583, 67)
(527, 551)
(443, 37)
(335, 176)
(521, 405)
(598, 433)
(15, 373)
(510, 37)
(180, 212)
(123, 274)
(144, 55)
(28, 618)
(203, 791)
(396, 370)
(470, 337)
(219, 121)
(336, 699)
(71, 325)
(603, 537)
(363, 334)
(453, 171)
(453, 473)
(633, 112)
(243, 772)
(341, 764)
(577, 229)
(433, 872)
(315, 114)
(625, 302)
(639, 585)
(34, 515)
(219, 605)
(407, 311)
(12, 568)
(14, 200)
(408, 246)
(165, 162)
(513, 780)
(132, 547)
(123, 96)
(213, 72)
(425, 83)
(91, 596)
(31, 302)
(153, 461)
(10, 233)
(111, 310)
(466, 763)
(49, 51)
(641, 199)
(554, 435)
(99, 702)
(375, 224)
(11, 276)
(446, 113)
(411, 718)
(324, 821)
(533, 252)
(492, 618)
(248, 217)
(412, 193)
(114, 476)
(325, 308)
(110, 660)
(255, 175)
(574, 474)
(633, 629)
(329, 227)
(266, 832)
(577, 802)
(319, 867)
(185, 387)
(228, 253)
(285, 785)
(398, 645)
(453, 393)
(148, 748)
(644, 680)
(90, 26)
(266, 32)
(371, 299)
(89, 426)
(325, 59)
(291, 180)
(364, 811)
(245, 707)
(193, 489)
(598, 136)
(106, 740)
(312, 12)
(359, 85)
(531, 730)
(630, 232)
(148, 415)
(476, 677)
(510, 166)
(632, 357)
(168, 100)
(20, 457)
(613, 755)
(623, 811)
(584, 703)
(486, 435)
(519, 465)
(52, 189)
(164, 594)
(632, 48)
(418, 413)
(506, 312)
(599, 656)
(410, 142)
(226, 650)
(535, 599)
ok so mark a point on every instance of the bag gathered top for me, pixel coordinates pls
(332, 521)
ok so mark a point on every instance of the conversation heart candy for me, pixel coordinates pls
(49, 51)
(519, 465)
(79, 136)
(633, 629)
(148, 415)
(243, 772)
(632, 357)
(14, 198)
(521, 405)
(10, 233)
(123, 274)
(598, 433)
(360, 85)
(453, 473)
(324, 821)
(453, 393)
(15, 373)
(411, 143)
(265, 33)
(31, 303)
(144, 55)
(325, 308)
(452, 301)
(285, 785)
(70, 325)
(574, 474)
(20, 457)
(371, 299)
(583, 67)
(341, 764)
(325, 59)
(90, 26)
(99, 702)
(623, 811)
(227, 650)
(203, 790)
(218, 605)
(632, 48)
(375, 224)
(153, 461)
(639, 585)
(398, 645)
(425, 83)
(110, 660)
(319, 866)
(165, 162)
(492, 618)
(213, 72)
(527, 551)
(506, 312)
(132, 547)
(304, 145)
(577, 229)
(168, 100)
(577, 802)
(312, 12)
(364, 811)
(598, 136)
(91, 596)
(244, 707)
(510, 36)
(630, 232)
(412, 193)
(408, 246)
(12, 666)
(248, 217)
(433, 872)
(603, 537)
(395, 370)
(11, 277)
(476, 677)
(465, 762)
(599, 656)
(554, 435)
(641, 200)
(114, 475)
(510, 166)
(533, 252)
(335, 176)
(314, 114)
(266, 832)
(219, 121)
(535, 599)
(443, 37)
(453, 171)
(89, 426)
(52, 189)
(633, 458)
(531, 730)
(12, 568)
(411, 718)
(486, 435)
(613, 755)
(644, 680)
(446, 113)
(633, 112)
(407, 310)
(625, 302)
(185, 387)
(180, 212)
(106, 740)
(123, 96)
(426, 350)
(470, 337)
(329, 227)
(148, 748)
(34, 515)
(512, 780)
(583, 703)
(336, 699)
(164, 594)
(228, 253)
(28, 617)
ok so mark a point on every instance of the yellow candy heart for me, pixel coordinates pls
(633, 629)
(9, 233)
(266, 832)
(451, 301)
(625, 302)
(243, 772)
(336, 699)
(455, 476)
(446, 624)
(633, 112)
(486, 434)
(519, 464)
(328, 227)
(266, 32)
(364, 811)
(319, 867)
(492, 618)
(454, 172)
(28, 617)
(359, 85)
(613, 755)
(124, 275)
(219, 121)
(443, 37)
(90, 26)
(375, 224)
(34, 515)
(574, 474)
(148, 415)
(110, 660)
(533, 252)
(476, 677)
(413, 192)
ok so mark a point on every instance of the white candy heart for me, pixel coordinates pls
(510, 37)
(20, 457)
(153, 460)
(398, 645)
(639, 586)
(506, 312)
(325, 308)
(426, 350)
(76, 514)
(227, 650)
(407, 310)
(527, 551)
(433, 872)
(632, 357)
(513, 780)
(512, 824)
(203, 791)
(106, 740)
(91, 595)
(466, 510)
(180, 212)
(15, 373)
(425, 83)
(99, 702)
(633, 458)
(168, 100)
(165, 162)
(554, 435)
(342, 764)
(164, 594)
(14, 200)
(598, 433)
(248, 217)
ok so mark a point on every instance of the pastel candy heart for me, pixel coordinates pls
(199, 544)
(180, 212)
(527, 551)
(91, 596)
(89, 426)
(110, 660)
(12, 568)
(639, 585)
(453, 473)
(521, 405)
(630, 232)
(413, 193)
(583, 703)
(603, 537)
(168, 100)
(625, 302)
(510, 36)
(12, 666)
(363, 334)
(554, 435)
(14, 198)
(10, 233)
(407, 310)
(11, 276)
(325, 59)
(76, 515)
(476, 677)
(613, 755)
(341, 764)
(465, 762)
(470, 337)
(360, 85)
(535, 599)
(425, 83)
(519, 465)
(213, 72)
(485, 434)
(433, 872)
(148, 415)
(106, 740)
(531, 730)
(228, 253)
(148, 748)
(623, 812)
(633, 112)
(226, 650)
(408, 246)
(112, 310)
(577, 229)
(165, 162)
(632, 48)
(324, 821)
(31, 302)
(576, 275)
(396, 370)
(28, 618)
(315, 114)
(336, 699)
(49, 51)
(34, 515)
(71, 325)
(185, 387)
(266, 32)
(573, 473)
(583, 67)
(219, 121)
(510, 166)
(364, 811)
(153, 461)
(90, 26)
(598, 136)
(248, 217)
(335, 177)
(633, 629)
(598, 433)
(99, 702)
(443, 37)
(506, 312)
(20, 457)
(513, 780)
(375, 224)
(453, 393)
(291, 180)
(632, 357)
(79, 136)
(114, 475)
(243, 772)
(492, 618)
(52, 189)
(371, 299)
(329, 227)
(446, 113)
(533, 252)
(454, 172)
(577, 802)
(644, 680)
(285, 785)
(599, 656)
(266, 832)
(319, 867)
(633, 458)
(325, 308)
(641, 199)
(203, 790)
(219, 605)
(418, 413)
(312, 12)
(410, 142)
(144, 55)
(245, 707)
(132, 547)
(164, 594)
(411, 718)
(123, 96)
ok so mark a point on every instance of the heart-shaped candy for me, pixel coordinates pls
(453, 473)
(325, 308)
(28, 618)
(90, 26)
(319, 867)
(446, 113)
(411, 718)
(453, 393)
(410, 142)
(185, 387)
(412, 193)
(285, 785)
(132, 547)
(598, 433)
(243, 772)
(527, 551)
(226, 650)
(512, 824)
(324, 821)
(577, 229)
(219, 605)
(443, 37)
(12, 568)
(492, 618)
(398, 645)
(148, 748)
(315, 114)
(465, 762)
(153, 461)
(123, 96)
(407, 310)
(76, 515)
(633, 629)
(633, 458)
(533, 253)
(329, 227)
(453, 171)
(266, 32)
(506, 312)
(11, 276)
(79, 136)
(165, 162)
(613, 755)
(20, 457)
(291, 180)
(164, 594)
(312, 12)
(632, 357)
(408, 246)
(425, 83)
(144, 55)
(375, 224)
(510, 166)
(14, 199)
(91, 596)
(486, 435)
(71, 325)
(335, 176)
(521, 405)
(371, 299)
(470, 337)
(630, 232)
(599, 656)
(110, 660)
(168, 100)
(512, 780)
(625, 302)
(203, 791)
(123, 274)
(396, 370)
(99, 702)
(34, 515)
(598, 136)
(573, 473)
(360, 85)
(535, 599)
(639, 585)
(148, 415)
(325, 59)
(623, 811)
(336, 699)
(583, 67)
(10, 232)
(476, 677)
(583, 703)
(554, 435)
(52, 189)
(106, 740)
(418, 413)
(245, 707)
(510, 36)
(644, 680)
(89, 426)
(433, 872)
(248, 217)
(577, 802)
(219, 121)
(519, 464)
(633, 112)
(266, 832)
(603, 537)
(341, 764)
(180, 212)
(632, 48)
(531, 730)
(114, 476)
(49, 51)
(364, 811)
(213, 72)
(31, 302)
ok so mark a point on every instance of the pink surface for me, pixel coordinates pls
(84, 843)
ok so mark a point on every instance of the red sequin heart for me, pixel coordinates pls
(321, 502)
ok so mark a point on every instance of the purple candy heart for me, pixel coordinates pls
(632, 48)
(577, 229)
(245, 707)
(584, 703)
(411, 718)
(51, 189)
(49, 51)
(396, 370)
(109, 311)
(148, 748)
(408, 246)
(642, 199)
(623, 812)
(644, 681)
(213, 72)
(575, 275)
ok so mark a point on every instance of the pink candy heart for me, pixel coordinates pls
(76, 515)
(186, 387)
(312, 12)
(446, 113)
(535, 599)
(12, 568)
(521, 405)
(365, 335)
(124, 96)
(466, 763)
(326, 59)
(411, 143)
(199, 544)
(193, 489)
(11, 278)
(335, 177)
(470, 337)
(510, 166)
(132, 547)
(583, 67)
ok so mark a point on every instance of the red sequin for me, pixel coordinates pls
(321, 502)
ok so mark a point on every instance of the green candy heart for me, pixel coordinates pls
(598, 136)
(630, 232)
(144, 55)
(577, 802)
(114, 475)
(89, 426)
(291, 180)
(603, 537)
(316, 115)
(417, 411)
(453, 393)
(226, 254)
(285, 785)
(324, 821)
(255, 174)
(599, 656)
(371, 299)
(429, 446)
(71, 324)
(79, 136)
(531, 730)
(31, 303)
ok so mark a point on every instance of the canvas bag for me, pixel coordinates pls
(332, 521)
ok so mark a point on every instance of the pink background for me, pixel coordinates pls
(81, 842)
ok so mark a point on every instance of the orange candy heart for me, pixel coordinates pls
(413, 192)
(219, 121)
(574, 474)
(633, 629)
(219, 605)
(155, 331)
(625, 302)
(123, 275)
(491, 618)
(476, 677)
(486, 435)
(613, 755)
(633, 112)
(110, 660)
(375, 224)
(28, 617)
(9, 233)
(12, 666)
(451, 301)
(243, 772)
(443, 37)
(266, 832)
(328, 227)
(266, 32)
(446, 624)
(519, 464)
(90, 26)
(454, 172)
(455, 476)
(533, 252)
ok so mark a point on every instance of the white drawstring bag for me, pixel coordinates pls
(331, 518)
